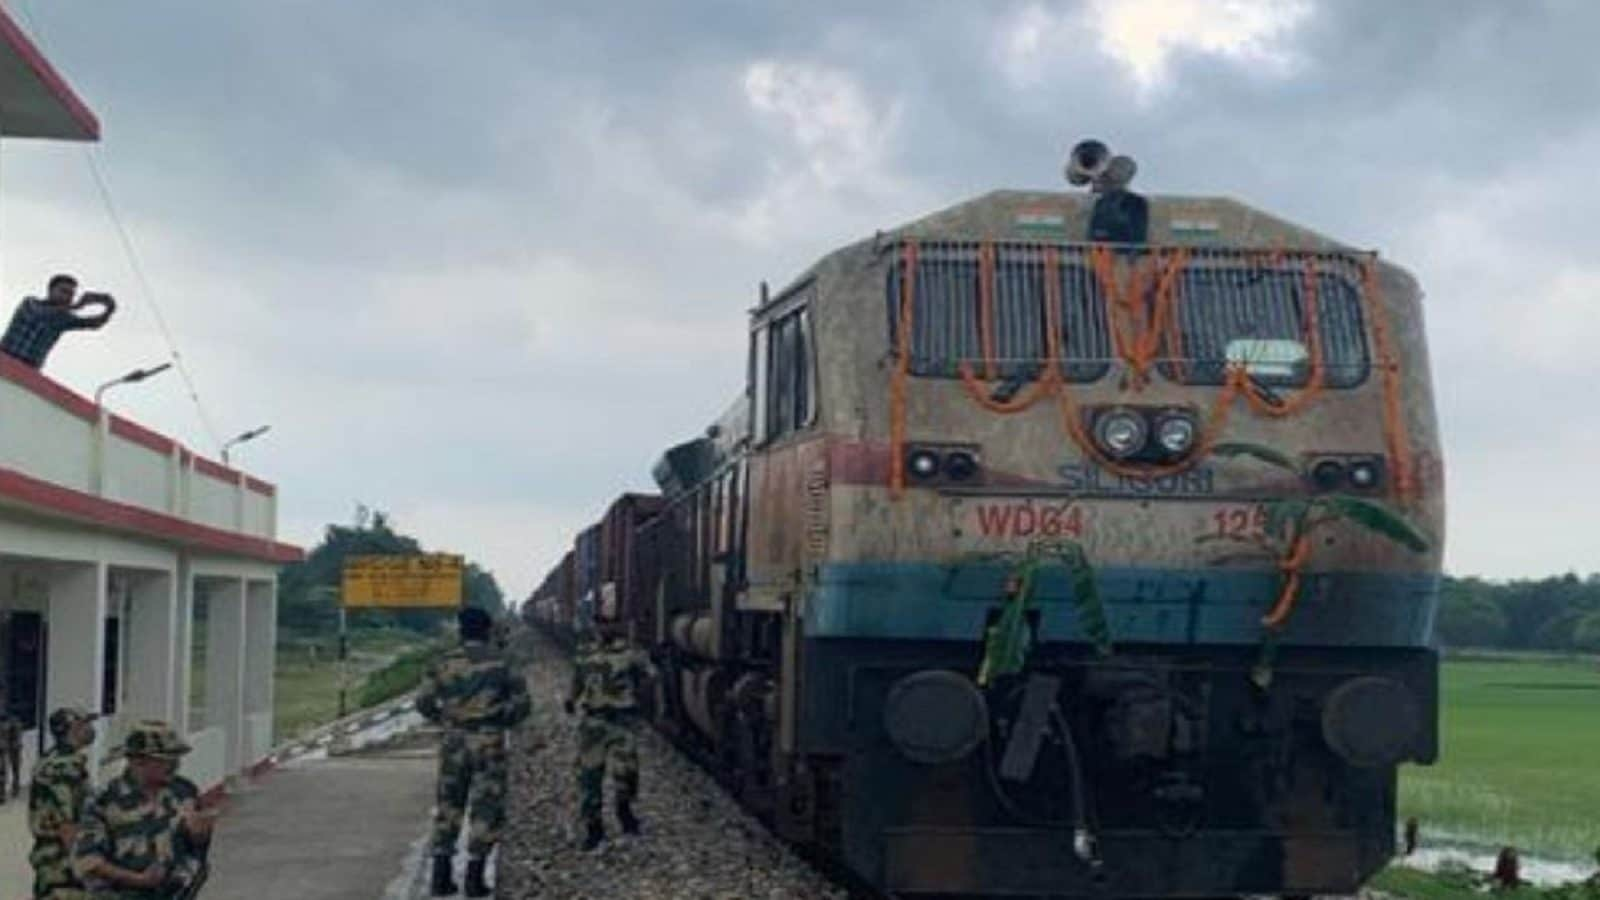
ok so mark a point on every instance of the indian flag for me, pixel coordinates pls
(1040, 220)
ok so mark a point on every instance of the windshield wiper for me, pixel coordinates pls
(1007, 389)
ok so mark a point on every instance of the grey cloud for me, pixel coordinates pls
(482, 256)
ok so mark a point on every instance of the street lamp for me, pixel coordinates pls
(134, 377)
(344, 643)
(250, 435)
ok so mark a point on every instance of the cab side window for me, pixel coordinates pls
(785, 390)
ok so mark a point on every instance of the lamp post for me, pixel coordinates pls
(134, 377)
(250, 435)
(344, 645)
(97, 474)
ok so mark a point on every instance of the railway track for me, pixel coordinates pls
(697, 842)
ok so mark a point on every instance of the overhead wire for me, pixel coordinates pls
(126, 241)
(150, 298)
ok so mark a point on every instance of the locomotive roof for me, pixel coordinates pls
(1063, 217)
(1059, 216)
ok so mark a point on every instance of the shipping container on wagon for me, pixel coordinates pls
(566, 596)
(619, 554)
(587, 558)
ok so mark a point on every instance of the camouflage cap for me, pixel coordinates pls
(62, 720)
(153, 737)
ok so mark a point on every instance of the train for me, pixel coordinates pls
(1061, 544)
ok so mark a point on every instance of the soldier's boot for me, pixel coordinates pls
(626, 818)
(476, 886)
(596, 833)
(444, 880)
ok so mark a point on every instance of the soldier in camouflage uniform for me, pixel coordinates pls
(56, 797)
(144, 836)
(10, 750)
(606, 678)
(477, 698)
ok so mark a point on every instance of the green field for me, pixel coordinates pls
(383, 663)
(1517, 757)
(306, 691)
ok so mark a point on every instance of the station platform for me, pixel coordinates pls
(325, 828)
(320, 829)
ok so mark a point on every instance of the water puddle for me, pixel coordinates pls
(1540, 871)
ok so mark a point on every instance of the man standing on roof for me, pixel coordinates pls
(56, 797)
(144, 834)
(477, 698)
(38, 324)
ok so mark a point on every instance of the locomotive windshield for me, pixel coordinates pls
(1254, 315)
(1229, 308)
(946, 315)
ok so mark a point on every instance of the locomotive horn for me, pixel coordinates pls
(1087, 161)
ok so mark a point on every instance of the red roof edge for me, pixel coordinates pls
(53, 392)
(129, 430)
(213, 469)
(27, 376)
(12, 34)
(34, 492)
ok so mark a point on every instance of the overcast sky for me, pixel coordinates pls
(478, 262)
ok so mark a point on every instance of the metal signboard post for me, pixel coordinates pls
(432, 581)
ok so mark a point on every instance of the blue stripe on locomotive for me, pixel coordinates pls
(1143, 605)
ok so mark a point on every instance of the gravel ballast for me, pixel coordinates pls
(696, 843)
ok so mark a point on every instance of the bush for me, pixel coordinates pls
(1586, 634)
(398, 677)
(1470, 620)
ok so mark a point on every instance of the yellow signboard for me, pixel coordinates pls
(406, 582)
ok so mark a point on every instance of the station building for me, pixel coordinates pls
(129, 565)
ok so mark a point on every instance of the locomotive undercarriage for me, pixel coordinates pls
(1156, 772)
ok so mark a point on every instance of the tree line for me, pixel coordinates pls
(1560, 613)
(308, 591)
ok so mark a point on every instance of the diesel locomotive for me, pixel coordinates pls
(1185, 450)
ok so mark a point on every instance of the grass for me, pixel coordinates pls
(1515, 758)
(1447, 885)
(399, 676)
(1515, 748)
(384, 663)
(1461, 884)
(306, 691)
(1403, 882)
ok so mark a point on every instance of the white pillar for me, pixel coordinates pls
(260, 635)
(225, 656)
(184, 648)
(76, 647)
(151, 650)
(97, 456)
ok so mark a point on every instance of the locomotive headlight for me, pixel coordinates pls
(1120, 433)
(1365, 474)
(960, 465)
(1176, 434)
(923, 464)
